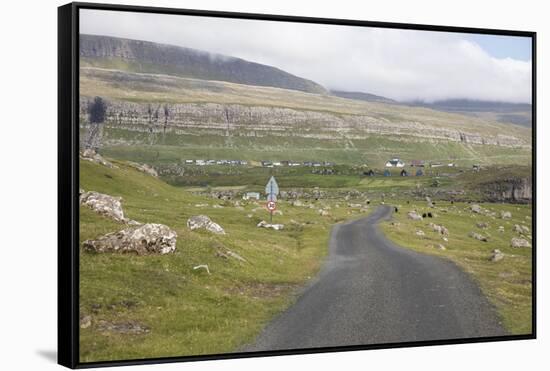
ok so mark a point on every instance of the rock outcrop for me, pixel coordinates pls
(509, 190)
(264, 224)
(203, 221)
(142, 240)
(93, 156)
(414, 215)
(519, 242)
(103, 204)
(144, 168)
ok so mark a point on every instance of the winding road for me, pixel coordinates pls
(371, 291)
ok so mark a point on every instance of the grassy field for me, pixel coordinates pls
(373, 151)
(507, 283)
(188, 311)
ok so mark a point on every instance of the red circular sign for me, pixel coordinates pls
(271, 206)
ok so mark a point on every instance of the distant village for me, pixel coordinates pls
(391, 163)
(263, 163)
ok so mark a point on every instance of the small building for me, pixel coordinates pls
(451, 164)
(189, 162)
(387, 172)
(251, 196)
(267, 164)
(308, 163)
(419, 172)
(200, 162)
(395, 162)
(476, 167)
(293, 163)
(436, 164)
(285, 163)
(243, 162)
(370, 172)
(211, 162)
(417, 163)
(328, 163)
(404, 173)
(316, 164)
(277, 163)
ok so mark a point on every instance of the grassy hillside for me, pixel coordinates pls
(374, 151)
(507, 283)
(188, 311)
(150, 57)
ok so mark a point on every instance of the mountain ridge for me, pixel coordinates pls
(151, 57)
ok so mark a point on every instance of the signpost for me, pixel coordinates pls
(272, 190)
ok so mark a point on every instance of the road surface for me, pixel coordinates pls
(371, 291)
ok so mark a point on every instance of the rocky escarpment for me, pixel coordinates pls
(262, 121)
(508, 190)
(179, 61)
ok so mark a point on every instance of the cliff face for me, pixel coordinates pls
(509, 190)
(277, 121)
(185, 62)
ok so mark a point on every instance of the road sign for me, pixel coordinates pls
(271, 206)
(272, 197)
(272, 188)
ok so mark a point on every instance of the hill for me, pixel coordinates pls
(514, 113)
(362, 96)
(144, 56)
(221, 120)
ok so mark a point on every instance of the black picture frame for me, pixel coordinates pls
(68, 180)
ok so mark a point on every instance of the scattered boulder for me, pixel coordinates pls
(497, 255)
(355, 206)
(414, 215)
(439, 229)
(203, 221)
(323, 212)
(93, 156)
(297, 203)
(482, 225)
(478, 236)
(519, 242)
(501, 228)
(521, 229)
(440, 247)
(420, 232)
(264, 224)
(144, 168)
(143, 240)
(475, 208)
(104, 204)
(85, 321)
(505, 215)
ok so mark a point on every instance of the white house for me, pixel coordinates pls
(251, 195)
(395, 162)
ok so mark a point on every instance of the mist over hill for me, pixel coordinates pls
(515, 113)
(357, 95)
(149, 57)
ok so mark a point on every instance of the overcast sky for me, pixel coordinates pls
(398, 64)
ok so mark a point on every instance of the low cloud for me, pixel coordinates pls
(400, 64)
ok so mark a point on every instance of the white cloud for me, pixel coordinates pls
(399, 64)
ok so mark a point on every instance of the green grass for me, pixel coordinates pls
(187, 311)
(507, 283)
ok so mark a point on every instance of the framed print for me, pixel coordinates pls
(238, 185)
